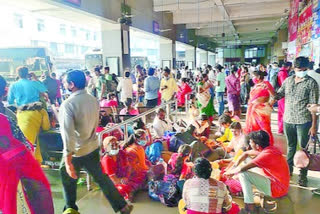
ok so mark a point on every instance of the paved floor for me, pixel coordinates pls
(299, 200)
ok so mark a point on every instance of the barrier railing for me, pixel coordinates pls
(142, 116)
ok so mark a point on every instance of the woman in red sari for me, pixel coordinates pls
(182, 91)
(23, 186)
(259, 107)
(116, 165)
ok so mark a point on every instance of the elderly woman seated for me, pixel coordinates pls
(116, 165)
(205, 195)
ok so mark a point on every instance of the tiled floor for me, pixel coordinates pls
(299, 201)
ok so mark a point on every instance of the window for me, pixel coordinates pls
(95, 36)
(73, 31)
(63, 29)
(54, 47)
(69, 49)
(87, 35)
(18, 20)
(40, 25)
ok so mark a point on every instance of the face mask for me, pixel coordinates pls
(142, 142)
(301, 74)
(167, 78)
(113, 152)
(255, 80)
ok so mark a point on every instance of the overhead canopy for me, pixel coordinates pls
(229, 22)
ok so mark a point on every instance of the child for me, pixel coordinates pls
(111, 101)
(225, 121)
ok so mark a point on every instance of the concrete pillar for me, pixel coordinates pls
(191, 58)
(117, 50)
(242, 57)
(203, 58)
(211, 59)
(168, 54)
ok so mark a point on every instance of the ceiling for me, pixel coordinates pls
(50, 8)
(229, 22)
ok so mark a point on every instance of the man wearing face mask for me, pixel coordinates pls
(168, 86)
(79, 117)
(299, 90)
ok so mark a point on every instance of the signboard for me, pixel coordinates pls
(316, 25)
(73, 2)
(156, 27)
(305, 28)
(316, 5)
(293, 20)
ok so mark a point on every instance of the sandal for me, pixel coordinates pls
(269, 206)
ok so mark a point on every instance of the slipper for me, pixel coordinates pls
(70, 211)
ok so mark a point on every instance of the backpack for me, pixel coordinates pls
(179, 139)
(274, 81)
(153, 152)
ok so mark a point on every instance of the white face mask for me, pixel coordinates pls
(301, 74)
(113, 152)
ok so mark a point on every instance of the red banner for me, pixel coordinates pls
(305, 26)
(293, 20)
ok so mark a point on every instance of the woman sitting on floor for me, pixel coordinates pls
(178, 163)
(236, 147)
(205, 195)
(116, 165)
(201, 127)
(136, 153)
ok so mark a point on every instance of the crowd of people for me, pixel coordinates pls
(186, 163)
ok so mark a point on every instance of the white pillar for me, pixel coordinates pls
(212, 59)
(203, 58)
(116, 46)
(166, 54)
(190, 58)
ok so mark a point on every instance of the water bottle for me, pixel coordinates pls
(165, 165)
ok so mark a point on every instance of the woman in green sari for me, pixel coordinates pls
(205, 100)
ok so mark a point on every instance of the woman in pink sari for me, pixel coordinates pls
(23, 186)
(182, 91)
(259, 107)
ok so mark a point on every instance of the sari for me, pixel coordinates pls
(259, 113)
(23, 185)
(137, 159)
(181, 94)
(30, 123)
(205, 101)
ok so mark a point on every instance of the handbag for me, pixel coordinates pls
(304, 159)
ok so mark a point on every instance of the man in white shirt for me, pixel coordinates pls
(161, 124)
(126, 87)
(184, 72)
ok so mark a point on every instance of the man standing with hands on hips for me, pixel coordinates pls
(79, 117)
